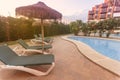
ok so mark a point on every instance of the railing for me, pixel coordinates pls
(91, 12)
(102, 16)
(117, 3)
(103, 10)
(117, 9)
(104, 5)
(90, 17)
(109, 10)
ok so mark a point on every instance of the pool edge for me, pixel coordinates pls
(99, 59)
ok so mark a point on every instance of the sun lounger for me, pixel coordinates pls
(36, 37)
(36, 41)
(46, 39)
(26, 46)
(32, 48)
(12, 61)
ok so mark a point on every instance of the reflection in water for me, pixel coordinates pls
(108, 48)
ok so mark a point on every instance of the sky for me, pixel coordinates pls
(66, 7)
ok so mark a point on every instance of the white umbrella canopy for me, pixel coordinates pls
(40, 11)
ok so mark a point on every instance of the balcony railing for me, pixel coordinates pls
(116, 14)
(95, 16)
(117, 9)
(90, 17)
(117, 3)
(102, 16)
(103, 10)
(104, 5)
(96, 12)
(91, 12)
(109, 10)
(109, 16)
(97, 6)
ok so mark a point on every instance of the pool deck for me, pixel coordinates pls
(70, 64)
(106, 62)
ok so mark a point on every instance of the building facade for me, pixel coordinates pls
(108, 9)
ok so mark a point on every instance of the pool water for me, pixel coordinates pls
(109, 48)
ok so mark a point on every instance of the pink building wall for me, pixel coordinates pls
(105, 10)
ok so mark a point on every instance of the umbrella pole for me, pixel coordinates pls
(42, 30)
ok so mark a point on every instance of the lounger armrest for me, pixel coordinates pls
(33, 50)
(16, 48)
(35, 41)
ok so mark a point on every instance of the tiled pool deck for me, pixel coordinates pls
(70, 64)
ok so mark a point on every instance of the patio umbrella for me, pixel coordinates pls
(40, 11)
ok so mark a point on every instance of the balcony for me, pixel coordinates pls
(109, 10)
(91, 17)
(117, 3)
(102, 16)
(97, 6)
(117, 9)
(109, 16)
(104, 5)
(96, 12)
(91, 12)
(96, 16)
(103, 10)
(116, 14)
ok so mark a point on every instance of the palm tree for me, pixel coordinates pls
(85, 29)
(100, 26)
(92, 25)
(111, 23)
(117, 21)
(75, 26)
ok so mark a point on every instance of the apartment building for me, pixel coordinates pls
(105, 10)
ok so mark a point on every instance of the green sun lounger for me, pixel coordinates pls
(36, 37)
(46, 39)
(12, 61)
(26, 46)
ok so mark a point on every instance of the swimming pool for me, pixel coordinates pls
(109, 48)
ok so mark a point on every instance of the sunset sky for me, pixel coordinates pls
(66, 7)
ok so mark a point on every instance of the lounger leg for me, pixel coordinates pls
(29, 70)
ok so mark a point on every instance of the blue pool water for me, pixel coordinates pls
(108, 48)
